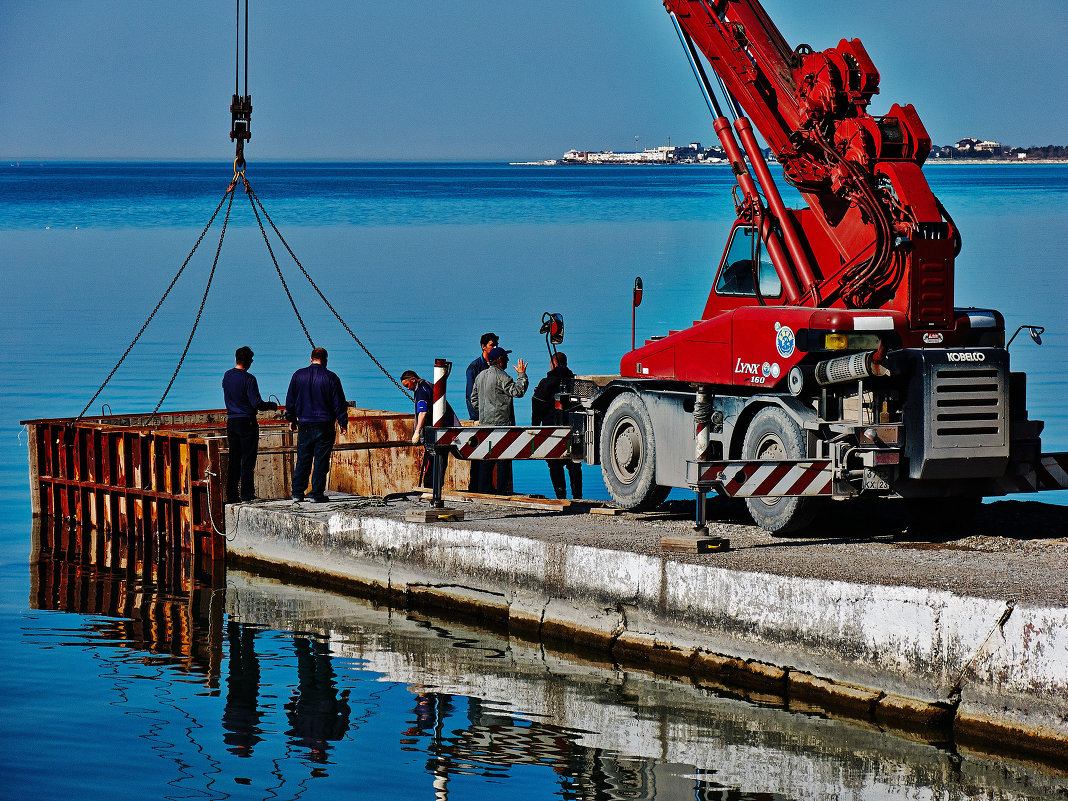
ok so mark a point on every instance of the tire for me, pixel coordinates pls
(628, 455)
(772, 436)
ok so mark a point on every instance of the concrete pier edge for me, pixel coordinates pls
(537, 591)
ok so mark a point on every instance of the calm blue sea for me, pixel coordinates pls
(419, 259)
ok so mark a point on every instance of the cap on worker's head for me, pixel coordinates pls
(497, 353)
(243, 355)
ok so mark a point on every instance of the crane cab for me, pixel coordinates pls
(734, 286)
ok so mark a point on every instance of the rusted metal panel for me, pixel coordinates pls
(164, 475)
(391, 468)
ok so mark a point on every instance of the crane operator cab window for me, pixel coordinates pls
(736, 275)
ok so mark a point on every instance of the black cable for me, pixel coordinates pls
(203, 299)
(237, 46)
(158, 304)
(266, 241)
(246, 46)
(315, 286)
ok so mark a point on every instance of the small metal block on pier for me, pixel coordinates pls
(433, 515)
(694, 544)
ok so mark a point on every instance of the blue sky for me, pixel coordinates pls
(460, 79)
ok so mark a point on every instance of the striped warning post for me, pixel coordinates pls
(441, 372)
(768, 479)
(1050, 472)
(506, 442)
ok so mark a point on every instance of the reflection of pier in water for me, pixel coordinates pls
(299, 685)
(147, 600)
(483, 740)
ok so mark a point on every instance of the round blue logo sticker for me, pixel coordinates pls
(784, 340)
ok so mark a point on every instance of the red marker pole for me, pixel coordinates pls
(441, 375)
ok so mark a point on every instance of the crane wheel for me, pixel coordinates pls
(773, 436)
(628, 455)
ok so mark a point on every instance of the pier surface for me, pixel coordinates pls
(959, 633)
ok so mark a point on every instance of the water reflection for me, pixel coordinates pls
(254, 689)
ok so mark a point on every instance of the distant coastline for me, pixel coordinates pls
(965, 151)
(929, 162)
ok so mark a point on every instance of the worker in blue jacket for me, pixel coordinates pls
(315, 402)
(241, 395)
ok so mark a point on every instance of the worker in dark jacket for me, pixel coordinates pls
(489, 342)
(241, 394)
(315, 401)
(544, 413)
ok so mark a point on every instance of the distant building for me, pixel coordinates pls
(969, 145)
(664, 154)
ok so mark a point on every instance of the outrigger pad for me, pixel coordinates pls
(433, 515)
(695, 544)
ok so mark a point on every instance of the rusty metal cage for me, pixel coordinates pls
(165, 474)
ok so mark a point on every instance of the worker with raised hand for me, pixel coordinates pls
(241, 395)
(492, 397)
(488, 341)
(314, 403)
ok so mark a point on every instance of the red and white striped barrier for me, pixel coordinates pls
(807, 477)
(506, 442)
(1049, 473)
(441, 373)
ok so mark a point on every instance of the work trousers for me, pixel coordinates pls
(243, 440)
(494, 477)
(556, 476)
(314, 443)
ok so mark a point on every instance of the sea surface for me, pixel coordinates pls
(250, 689)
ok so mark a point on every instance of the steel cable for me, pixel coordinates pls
(229, 193)
(203, 299)
(315, 286)
(266, 241)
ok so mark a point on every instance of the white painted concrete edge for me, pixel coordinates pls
(923, 644)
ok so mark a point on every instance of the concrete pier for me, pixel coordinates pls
(965, 635)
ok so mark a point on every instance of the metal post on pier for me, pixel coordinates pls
(699, 541)
(437, 512)
(441, 375)
(702, 418)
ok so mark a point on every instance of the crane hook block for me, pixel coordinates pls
(241, 114)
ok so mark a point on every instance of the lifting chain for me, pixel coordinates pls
(241, 115)
(229, 193)
(315, 286)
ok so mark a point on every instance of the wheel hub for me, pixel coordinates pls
(627, 452)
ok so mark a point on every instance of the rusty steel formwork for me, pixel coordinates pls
(165, 474)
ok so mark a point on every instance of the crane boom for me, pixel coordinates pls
(873, 235)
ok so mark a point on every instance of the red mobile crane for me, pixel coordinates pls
(829, 360)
